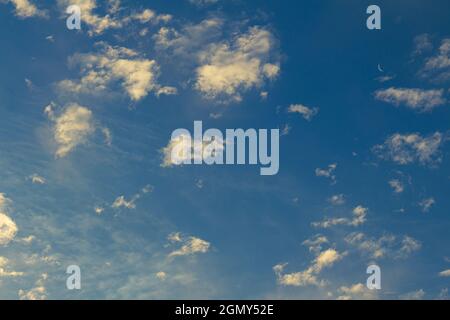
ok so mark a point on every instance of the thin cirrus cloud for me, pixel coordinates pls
(406, 149)
(136, 75)
(416, 99)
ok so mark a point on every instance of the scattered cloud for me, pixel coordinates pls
(315, 244)
(387, 245)
(445, 273)
(37, 179)
(228, 70)
(189, 245)
(337, 200)
(409, 148)
(39, 292)
(121, 202)
(422, 44)
(306, 112)
(427, 204)
(328, 173)
(26, 9)
(359, 218)
(437, 67)
(8, 228)
(414, 295)
(324, 259)
(416, 99)
(356, 292)
(72, 127)
(397, 185)
(4, 272)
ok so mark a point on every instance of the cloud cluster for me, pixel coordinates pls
(137, 75)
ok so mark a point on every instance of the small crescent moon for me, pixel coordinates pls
(380, 68)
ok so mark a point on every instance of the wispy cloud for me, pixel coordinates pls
(416, 99)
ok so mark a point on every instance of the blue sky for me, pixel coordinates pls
(364, 174)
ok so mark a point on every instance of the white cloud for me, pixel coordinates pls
(181, 150)
(8, 228)
(4, 262)
(149, 15)
(189, 245)
(137, 75)
(386, 245)
(427, 204)
(356, 292)
(161, 275)
(327, 173)
(397, 186)
(416, 99)
(26, 9)
(315, 244)
(437, 67)
(408, 148)
(202, 3)
(191, 39)
(306, 112)
(97, 24)
(414, 295)
(228, 70)
(324, 259)
(422, 44)
(39, 292)
(337, 200)
(445, 273)
(37, 179)
(72, 127)
(121, 202)
(359, 218)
